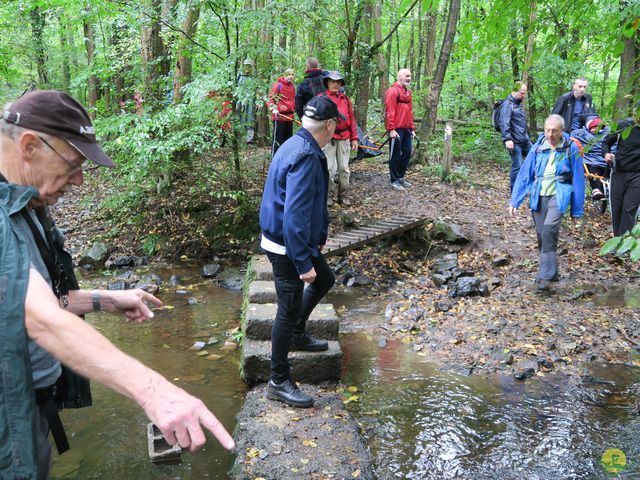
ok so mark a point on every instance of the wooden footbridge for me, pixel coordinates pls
(378, 230)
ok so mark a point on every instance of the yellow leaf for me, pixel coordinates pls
(309, 443)
(304, 461)
(353, 389)
(253, 452)
(296, 419)
(165, 307)
(356, 473)
(353, 398)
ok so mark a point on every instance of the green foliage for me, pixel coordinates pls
(621, 245)
(459, 174)
(150, 244)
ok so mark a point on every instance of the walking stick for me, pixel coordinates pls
(273, 138)
(393, 143)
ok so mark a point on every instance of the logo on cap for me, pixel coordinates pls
(87, 130)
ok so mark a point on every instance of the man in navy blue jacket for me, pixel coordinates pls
(294, 222)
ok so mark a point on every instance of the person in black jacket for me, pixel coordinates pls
(311, 85)
(625, 179)
(513, 127)
(574, 106)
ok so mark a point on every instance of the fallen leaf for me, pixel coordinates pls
(309, 443)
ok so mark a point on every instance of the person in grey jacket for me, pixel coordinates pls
(513, 127)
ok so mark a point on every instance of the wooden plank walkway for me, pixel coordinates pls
(360, 236)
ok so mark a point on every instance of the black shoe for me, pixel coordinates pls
(289, 393)
(308, 344)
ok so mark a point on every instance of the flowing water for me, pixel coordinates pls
(418, 421)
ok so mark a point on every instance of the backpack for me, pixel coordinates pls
(317, 85)
(495, 115)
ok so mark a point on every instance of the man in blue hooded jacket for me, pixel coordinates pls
(294, 221)
(553, 176)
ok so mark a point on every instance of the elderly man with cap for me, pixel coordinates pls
(294, 222)
(345, 137)
(46, 137)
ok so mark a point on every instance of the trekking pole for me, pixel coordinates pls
(393, 143)
(273, 138)
(291, 119)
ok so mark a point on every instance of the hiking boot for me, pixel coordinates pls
(307, 343)
(404, 183)
(597, 194)
(543, 285)
(289, 393)
(397, 186)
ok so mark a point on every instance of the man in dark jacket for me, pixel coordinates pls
(513, 127)
(294, 222)
(311, 85)
(575, 105)
(625, 179)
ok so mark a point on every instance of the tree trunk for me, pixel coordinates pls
(64, 49)
(528, 60)
(430, 47)
(628, 75)
(37, 17)
(383, 78)
(152, 51)
(92, 81)
(362, 64)
(183, 51)
(431, 102)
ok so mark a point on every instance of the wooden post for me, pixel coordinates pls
(446, 157)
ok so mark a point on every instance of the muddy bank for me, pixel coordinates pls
(513, 329)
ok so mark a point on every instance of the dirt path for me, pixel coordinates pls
(514, 329)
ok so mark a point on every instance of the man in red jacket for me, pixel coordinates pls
(282, 105)
(399, 123)
(344, 138)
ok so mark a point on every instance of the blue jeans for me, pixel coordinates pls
(295, 304)
(399, 160)
(518, 154)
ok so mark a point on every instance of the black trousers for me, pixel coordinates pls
(282, 131)
(625, 199)
(401, 153)
(295, 304)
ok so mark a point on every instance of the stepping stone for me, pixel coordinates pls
(306, 367)
(261, 291)
(262, 267)
(258, 320)
(272, 439)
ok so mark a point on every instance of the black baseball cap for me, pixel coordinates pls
(58, 114)
(322, 107)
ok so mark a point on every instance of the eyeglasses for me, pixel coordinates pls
(72, 168)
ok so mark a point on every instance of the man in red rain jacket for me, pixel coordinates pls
(399, 123)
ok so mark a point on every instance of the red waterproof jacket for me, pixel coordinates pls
(345, 129)
(283, 96)
(399, 107)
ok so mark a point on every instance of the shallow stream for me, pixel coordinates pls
(419, 422)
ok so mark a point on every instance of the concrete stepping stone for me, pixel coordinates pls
(306, 367)
(262, 267)
(258, 320)
(275, 441)
(262, 291)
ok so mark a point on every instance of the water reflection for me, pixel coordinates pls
(108, 440)
(421, 423)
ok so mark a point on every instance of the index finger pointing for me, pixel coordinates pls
(211, 423)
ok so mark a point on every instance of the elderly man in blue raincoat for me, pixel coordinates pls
(553, 176)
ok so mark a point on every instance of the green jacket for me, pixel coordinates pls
(18, 453)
